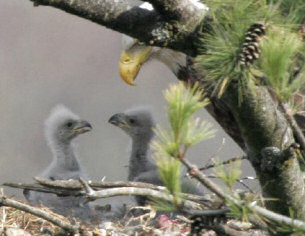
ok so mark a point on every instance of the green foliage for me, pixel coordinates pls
(239, 212)
(229, 174)
(219, 58)
(160, 205)
(279, 59)
(185, 131)
(282, 48)
(169, 169)
(293, 8)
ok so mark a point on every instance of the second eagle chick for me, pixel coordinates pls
(138, 124)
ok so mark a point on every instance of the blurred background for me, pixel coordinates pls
(48, 57)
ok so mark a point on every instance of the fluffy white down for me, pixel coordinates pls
(58, 115)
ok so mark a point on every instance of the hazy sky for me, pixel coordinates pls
(48, 57)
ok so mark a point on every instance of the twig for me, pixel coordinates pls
(75, 184)
(38, 188)
(73, 187)
(295, 127)
(240, 181)
(223, 163)
(92, 194)
(4, 201)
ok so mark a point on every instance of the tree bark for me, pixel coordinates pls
(263, 126)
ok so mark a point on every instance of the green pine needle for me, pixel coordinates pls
(185, 131)
(220, 55)
(280, 56)
(283, 50)
(229, 174)
(294, 9)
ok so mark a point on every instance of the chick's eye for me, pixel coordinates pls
(132, 121)
(69, 124)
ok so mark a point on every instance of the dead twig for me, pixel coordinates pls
(75, 184)
(240, 181)
(223, 163)
(74, 187)
(93, 195)
(60, 191)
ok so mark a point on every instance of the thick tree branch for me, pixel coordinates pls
(262, 125)
(147, 26)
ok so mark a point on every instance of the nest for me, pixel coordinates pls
(12, 218)
(15, 222)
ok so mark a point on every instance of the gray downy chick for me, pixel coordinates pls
(61, 128)
(138, 123)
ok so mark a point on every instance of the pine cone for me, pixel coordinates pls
(250, 50)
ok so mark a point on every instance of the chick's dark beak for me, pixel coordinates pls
(83, 127)
(119, 120)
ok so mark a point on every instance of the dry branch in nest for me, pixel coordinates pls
(75, 188)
